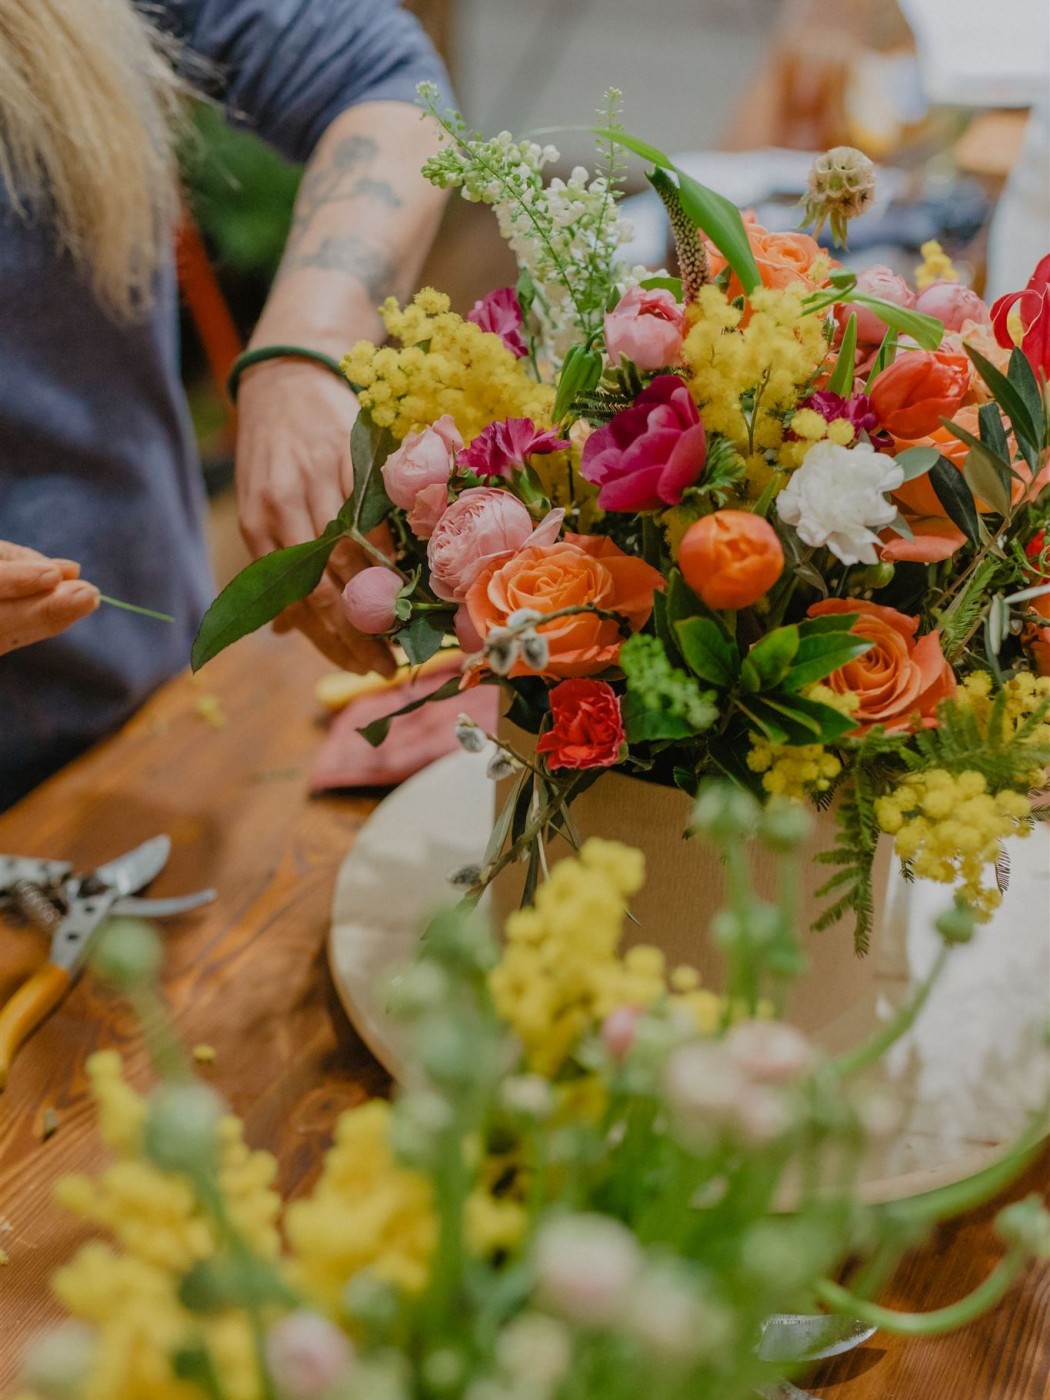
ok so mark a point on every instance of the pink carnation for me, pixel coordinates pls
(506, 445)
(646, 327)
(423, 459)
(649, 453)
(500, 314)
(483, 525)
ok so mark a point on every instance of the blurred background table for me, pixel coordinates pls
(221, 764)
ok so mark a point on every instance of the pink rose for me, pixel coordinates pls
(427, 510)
(423, 459)
(506, 445)
(308, 1356)
(649, 453)
(647, 327)
(881, 282)
(500, 314)
(467, 635)
(953, 304)
(482, 526)
(369, 598)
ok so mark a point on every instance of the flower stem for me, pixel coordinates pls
(134, 608)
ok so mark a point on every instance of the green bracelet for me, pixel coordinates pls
(279, 352)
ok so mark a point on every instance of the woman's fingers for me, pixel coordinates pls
(24, 620)
(24, 571)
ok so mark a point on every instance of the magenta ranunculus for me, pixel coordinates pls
(369, 599)
(647, 327)
(953, 304)
(500, 313)
(482, 525)
(877, 281)
(649, 453)
(504, 446)
(423, 459)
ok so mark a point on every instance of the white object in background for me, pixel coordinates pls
(981, 55)
(1020, 231)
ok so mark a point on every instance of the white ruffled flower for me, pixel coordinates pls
(838, 498)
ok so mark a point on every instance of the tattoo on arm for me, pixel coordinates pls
(349, 254)
(339, 179)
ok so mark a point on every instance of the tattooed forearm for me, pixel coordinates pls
(350, 254)
(336, 179)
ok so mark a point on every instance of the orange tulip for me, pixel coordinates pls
(730, 559)
(920, 387)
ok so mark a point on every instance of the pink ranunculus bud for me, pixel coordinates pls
(618, 1031)
(647, 327)
(481, 526)
(427, 510)
(308, 1356)
(369, 599)
(423, 459)
(500, 314)
(506, 445)
(646, 456)
(586, 1267)
(953, 304)
(877, 281)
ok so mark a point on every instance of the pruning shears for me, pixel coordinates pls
(71, 908)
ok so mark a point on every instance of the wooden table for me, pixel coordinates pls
(249, 977)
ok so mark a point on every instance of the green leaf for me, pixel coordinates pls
(827, 622)
(986, 481)
(377, 731)
(644, 725)
(1010, 399)
(769, 660)
(956, 497)
(926, 330)
(830, 724)
(712, 213)
(261, 591)
(887, 350)
(821, 653)
(993, 434)
(369, 504)
(1022, 376)
(916, 461)
(790, 719)
(707, 651)
(424, 635)
(841, 382)
(666, 284)
(580, 373)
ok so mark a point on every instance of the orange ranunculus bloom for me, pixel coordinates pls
(920, 387)
(731, 559)
(782, 258)
(577, 570)
(899, 682)
(936, 537)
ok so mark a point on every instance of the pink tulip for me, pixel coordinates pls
(877, 281)
(649, 453)
(369, 599)
(953, 304)
(646, 327)
(423, 459)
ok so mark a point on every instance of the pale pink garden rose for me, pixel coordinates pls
(482, 525)
(877, 281)
(308, 1356)
(369, 600)
(423, 459)
(953, 304)
(467, 635)
(647, 327)
(427, 510)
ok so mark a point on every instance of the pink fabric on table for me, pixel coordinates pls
(347, 760)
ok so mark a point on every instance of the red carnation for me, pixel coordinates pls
(587, 729)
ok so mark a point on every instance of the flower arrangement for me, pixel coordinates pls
(766, 518)
(600, 1177)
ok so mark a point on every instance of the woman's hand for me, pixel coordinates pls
(293, 475)
(39, 597)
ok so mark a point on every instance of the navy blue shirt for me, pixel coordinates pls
(97, 460)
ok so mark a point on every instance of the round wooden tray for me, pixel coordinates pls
(966, 1076)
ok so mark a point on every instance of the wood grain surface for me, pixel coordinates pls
(248, 976)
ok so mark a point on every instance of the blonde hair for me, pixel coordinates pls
(87, 101)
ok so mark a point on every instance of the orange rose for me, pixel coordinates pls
(782, 258)
(731, 559)
(920, 387)
(580, 569)
(899, 682)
